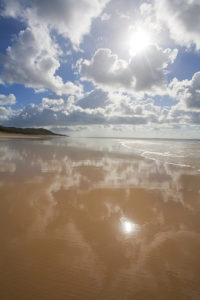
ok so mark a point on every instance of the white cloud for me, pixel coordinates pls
(95, 108)
(7, 100)
(146, 9)
(179, 115)
(187, 110)
(34, 57)
(33, 60)
(70, 88)
(5, 113)
(101, 108)
(105, 17)
(182, 19)
(54, 104)
(143, 73)
(187, 91)
(70, 18)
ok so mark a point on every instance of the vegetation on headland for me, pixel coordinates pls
(28, 131)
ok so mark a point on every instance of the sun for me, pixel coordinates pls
(139, 41)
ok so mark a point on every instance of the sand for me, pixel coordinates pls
(77, 223)
(24, 136)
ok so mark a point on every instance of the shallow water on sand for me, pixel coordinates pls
(99, 219)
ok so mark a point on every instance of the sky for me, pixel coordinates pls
(101, 67)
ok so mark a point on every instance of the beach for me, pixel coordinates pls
(99, 219)
(22, 136)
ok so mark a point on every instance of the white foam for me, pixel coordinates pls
(166, 154)
(180, 165)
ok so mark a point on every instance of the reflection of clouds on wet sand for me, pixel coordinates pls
(80, 234)
(167, 266)
(97, 224)
(7, 167)
(51, 168)
(7, 159)
(84, 168)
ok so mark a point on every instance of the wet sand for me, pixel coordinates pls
(23, 136)
(13, 135)
(77, 223)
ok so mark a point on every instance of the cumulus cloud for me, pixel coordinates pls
(181, 116)
(5, 106)
(54, 104)
(187, 110)
(33, 115)
(105, 17)
(7, 100)
(101, 108)
(143, 73)
(33, 60)
(5, 113)
(70, 18)
(182, 20)
(187, 91)
(34, 57)
(115, 109)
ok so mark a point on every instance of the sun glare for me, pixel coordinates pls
(127, 226)
(139, 41)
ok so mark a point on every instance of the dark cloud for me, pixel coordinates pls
(94, 99)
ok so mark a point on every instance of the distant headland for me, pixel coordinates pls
(14, 131)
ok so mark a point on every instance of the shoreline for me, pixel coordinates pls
(26, 136)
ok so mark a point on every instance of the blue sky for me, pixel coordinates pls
(102, 67)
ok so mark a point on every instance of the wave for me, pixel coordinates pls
(182, 154)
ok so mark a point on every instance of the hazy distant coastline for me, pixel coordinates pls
(26, 132)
